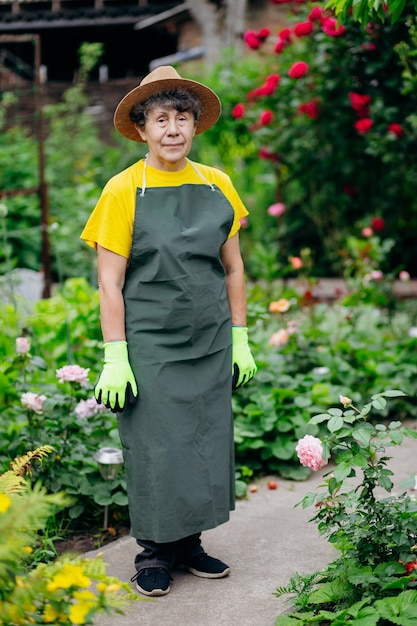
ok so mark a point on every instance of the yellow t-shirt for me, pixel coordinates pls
(111, 222)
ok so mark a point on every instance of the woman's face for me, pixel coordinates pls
(169, 135)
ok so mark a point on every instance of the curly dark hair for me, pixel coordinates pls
(180, 99)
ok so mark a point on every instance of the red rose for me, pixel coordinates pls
(263, 34)
(395, 129)
(266, 154)
(285, 34)
(350, 190)
(298, 69)
(364, 125)
(329, 27)
(238, 111)
(279, 46)
(360, 103)
(303, 28)
(377, 224)
(410, 566)
(316, 14)
(251, 39)
(311, 109)
(266, 118)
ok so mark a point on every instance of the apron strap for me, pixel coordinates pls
(142, 193)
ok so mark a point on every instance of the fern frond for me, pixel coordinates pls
(13, 480)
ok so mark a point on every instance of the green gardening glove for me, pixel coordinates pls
(117, 382)
(243, 364)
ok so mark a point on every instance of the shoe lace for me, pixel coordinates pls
(151, 571)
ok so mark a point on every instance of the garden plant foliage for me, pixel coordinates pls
(72, 590)
(372, 582)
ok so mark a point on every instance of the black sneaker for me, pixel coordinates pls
(152, 581)
(206, 566)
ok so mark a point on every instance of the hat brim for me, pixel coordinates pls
(210, 101)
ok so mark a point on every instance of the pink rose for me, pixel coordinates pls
(296, 262)
(298, 69)
(22, 345)
(88, 408)
(367, 232)
(33, 401)
(279, 339)
(404, 276)
(276, 210)
(310, 452)
(73, 374)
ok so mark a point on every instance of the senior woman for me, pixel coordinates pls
(173, 318)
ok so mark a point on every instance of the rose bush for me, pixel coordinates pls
(372, 581)
(341, 105)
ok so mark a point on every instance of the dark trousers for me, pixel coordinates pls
(169, 555)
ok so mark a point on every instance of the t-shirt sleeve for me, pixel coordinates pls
(235, 200)
(110, 224)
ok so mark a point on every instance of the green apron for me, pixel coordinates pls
(178, 436)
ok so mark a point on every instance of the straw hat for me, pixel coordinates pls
(163, 78)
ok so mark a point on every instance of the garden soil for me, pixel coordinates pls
(267, 540)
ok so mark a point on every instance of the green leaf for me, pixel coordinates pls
(342, 471)
(393, 425)
(317, 419)
(379, 404)
(393, 393)
(362, 435)
(335, 423)
(401, 609)
(336, 412)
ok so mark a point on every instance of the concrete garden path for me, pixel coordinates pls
(265, 542)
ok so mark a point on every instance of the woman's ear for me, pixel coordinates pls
(140, 132)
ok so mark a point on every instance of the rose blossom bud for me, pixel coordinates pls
(345, 400)
(404, 276)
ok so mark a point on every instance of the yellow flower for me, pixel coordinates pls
(28, 549)
(78, 612)
(5, 502)
(279, 306)
(50, 615)
(69, 576)
(19, 581)
(101, 587)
